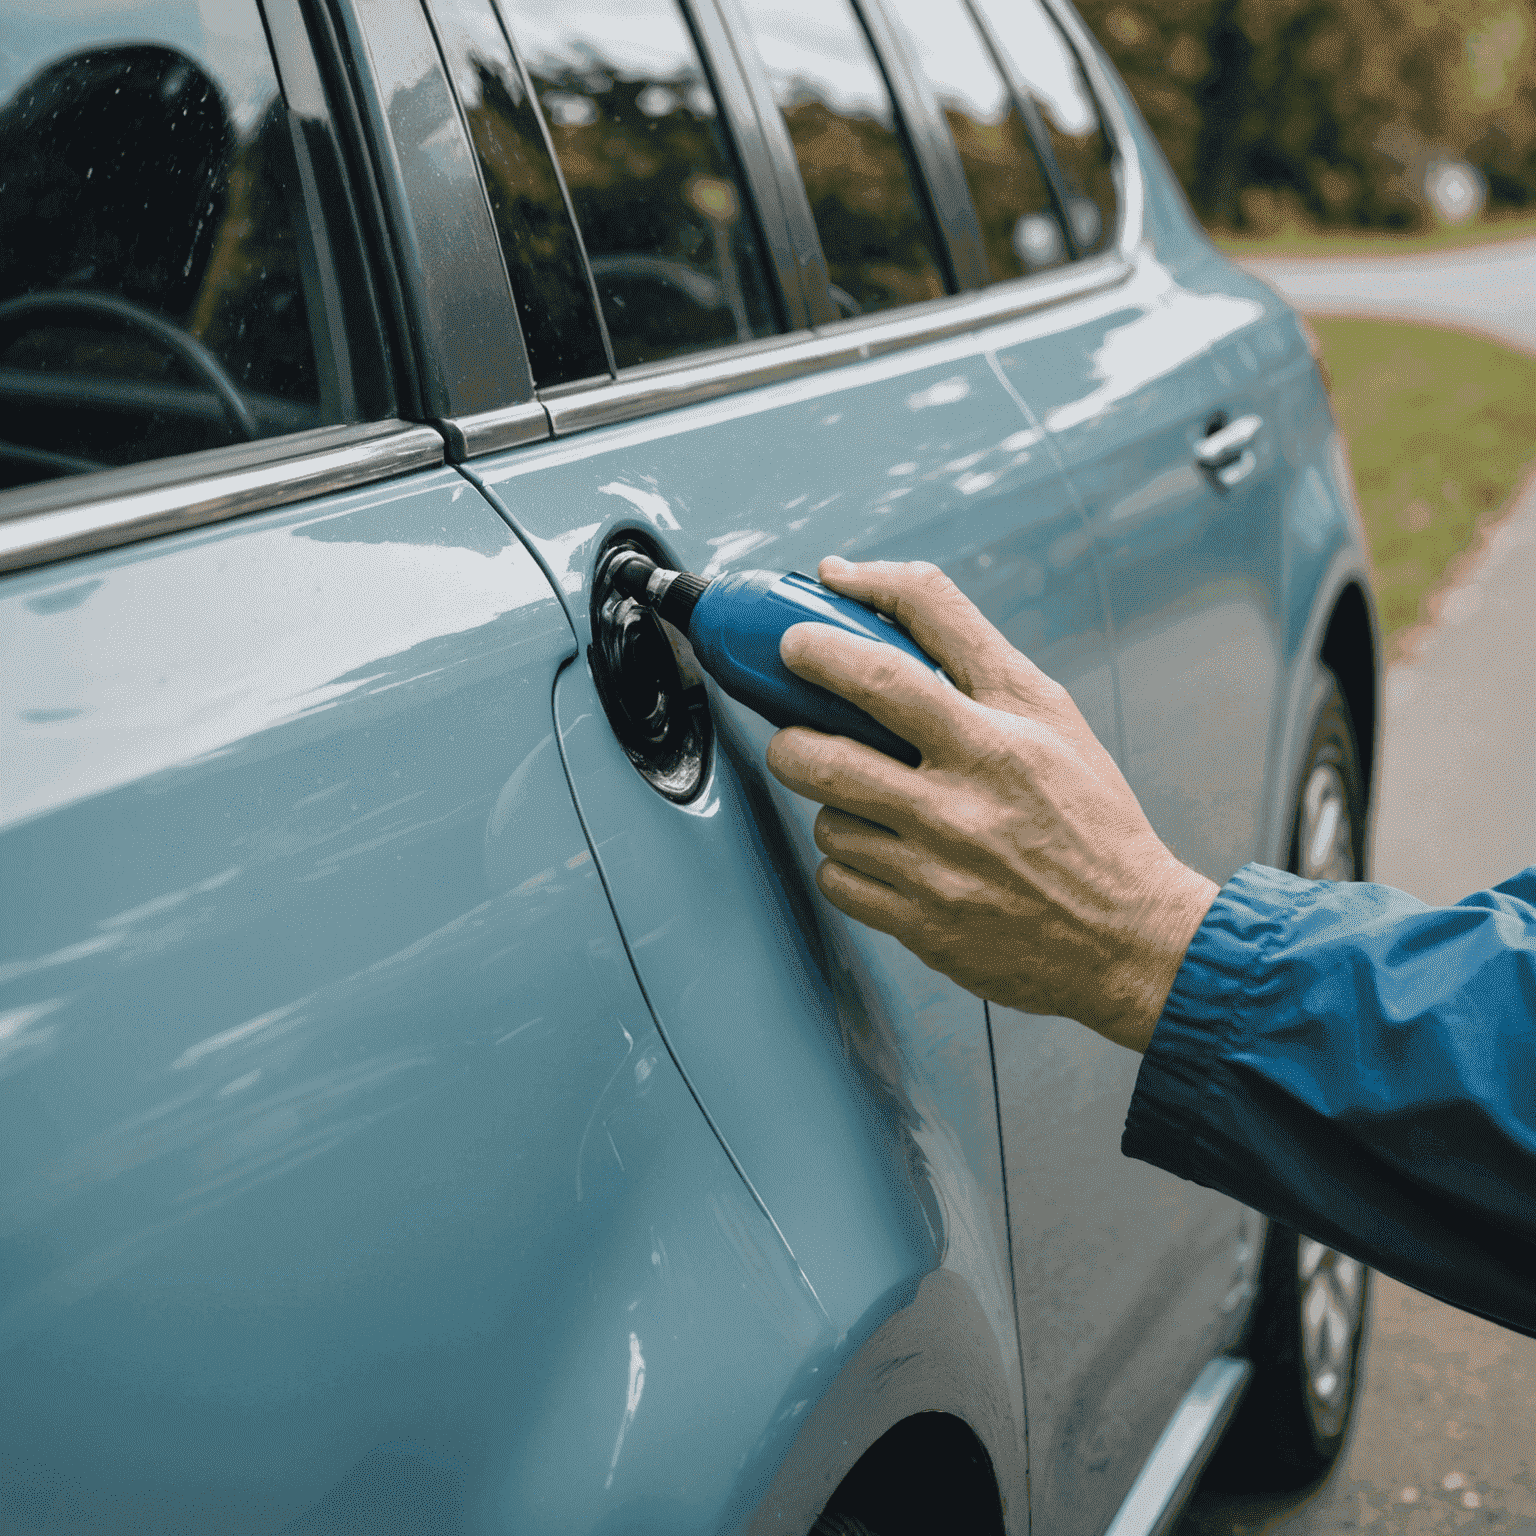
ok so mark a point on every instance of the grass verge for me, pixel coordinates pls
(1306, 242)
(1441, 427)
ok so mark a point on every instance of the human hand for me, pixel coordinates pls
(1014, 859)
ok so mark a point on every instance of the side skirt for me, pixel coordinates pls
(1168, 1477)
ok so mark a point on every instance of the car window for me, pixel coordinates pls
(652, 177)
(533, 223)
(1044, 63)
(1019, 227)
(879, 243)
(158, 293)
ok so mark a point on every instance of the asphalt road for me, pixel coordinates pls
(1489, 288)
(1445, 1437)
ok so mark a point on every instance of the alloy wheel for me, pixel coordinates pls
(1325, 836)
(1332, 1299)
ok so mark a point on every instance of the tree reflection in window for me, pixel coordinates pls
(880, 246)
(651, 175)
(538, 240)
(1019, 228)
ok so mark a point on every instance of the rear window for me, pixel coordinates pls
(652, 176)
(880, 246)
(1043, 61)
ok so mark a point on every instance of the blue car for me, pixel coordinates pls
(433, 1096)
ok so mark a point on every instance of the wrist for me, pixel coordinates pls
(1160, 928)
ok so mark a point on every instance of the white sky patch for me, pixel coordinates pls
(945, 392)
(651, 505)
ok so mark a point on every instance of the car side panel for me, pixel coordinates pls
(853, 1085)
(345, 1182)
(1128, 1280)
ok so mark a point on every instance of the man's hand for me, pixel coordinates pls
(1015, 858)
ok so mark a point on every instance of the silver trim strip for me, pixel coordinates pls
(489, 431)
(121, 506)
(1169, 1474)
(641, 393)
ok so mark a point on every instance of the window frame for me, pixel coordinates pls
(456, 299)
(760, 189)
(1044, 148)
(940, 174)
(832, 341)
(67, 517)
(73, 515)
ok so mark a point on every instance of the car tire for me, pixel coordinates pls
(1308, 1324)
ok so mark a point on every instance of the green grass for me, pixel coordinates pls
(1309, 242)
(1441, 427)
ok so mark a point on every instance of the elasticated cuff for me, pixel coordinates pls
(1204, 1016)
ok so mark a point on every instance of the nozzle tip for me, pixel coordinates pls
(631, 573)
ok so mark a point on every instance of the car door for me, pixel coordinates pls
(346, 1182)
(853, 1086)
(1127, 1280)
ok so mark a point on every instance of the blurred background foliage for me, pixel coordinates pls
(1331, 114)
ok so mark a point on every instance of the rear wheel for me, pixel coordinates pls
(1309, 1322)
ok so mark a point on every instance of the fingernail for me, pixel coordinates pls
(838, 560)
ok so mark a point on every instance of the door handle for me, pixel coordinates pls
(1228, 453)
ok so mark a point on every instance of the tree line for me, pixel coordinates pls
(1330, 112)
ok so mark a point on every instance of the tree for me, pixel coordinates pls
(1330, 110)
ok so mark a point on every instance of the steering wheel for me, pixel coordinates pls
(20, 314)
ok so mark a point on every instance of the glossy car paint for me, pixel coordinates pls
(346, 1183)
(1117, 1322)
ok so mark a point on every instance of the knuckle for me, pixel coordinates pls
(784, 756)
(822, 772)
(824, 830)
(885, 671)
(1053, 692)
(953, 887)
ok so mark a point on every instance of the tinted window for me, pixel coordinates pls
(1019, 228)
(650, 172)
(156, 288)
(538, 241)
(1043, 62)
(879, 244)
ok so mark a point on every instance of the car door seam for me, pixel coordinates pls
(682, 1071)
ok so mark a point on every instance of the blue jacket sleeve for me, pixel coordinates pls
(1361, 1067)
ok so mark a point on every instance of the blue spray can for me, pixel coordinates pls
(734, 624)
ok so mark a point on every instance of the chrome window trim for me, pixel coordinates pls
(73, 516)
(641, 392)
(490, 431)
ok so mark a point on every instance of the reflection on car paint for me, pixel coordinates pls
(334, 643)
(331, 1007)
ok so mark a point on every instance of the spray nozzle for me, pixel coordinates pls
(672, 594)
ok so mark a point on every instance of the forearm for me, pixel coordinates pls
(1363, 1068)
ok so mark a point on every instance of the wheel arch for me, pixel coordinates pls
(1350, 651)
(921, 1406)
(928, 1472)
(1340, 634)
